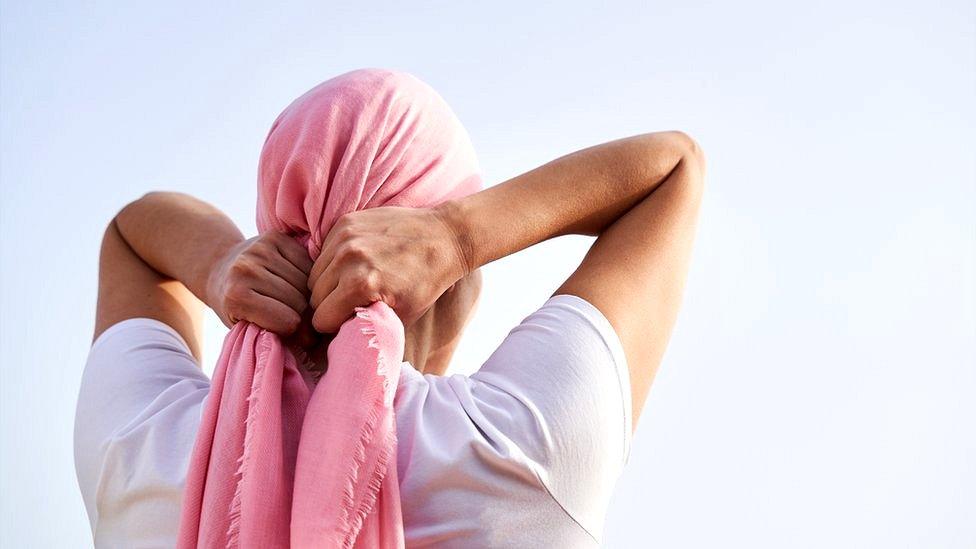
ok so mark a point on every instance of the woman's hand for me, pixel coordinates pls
(405, 257)
(263, 280)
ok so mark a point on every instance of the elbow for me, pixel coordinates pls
(663, 153)
(691, 162)
(134, 210)
(159, 196)
(137, 202)
(151, 197)
(131, 209)
(685, 165)
(691, 153)
(146, 202)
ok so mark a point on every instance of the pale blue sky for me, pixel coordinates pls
(819, 388)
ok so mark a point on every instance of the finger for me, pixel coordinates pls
(321, 263)
(290, 273)
(279, 289)
(271, 314)
(305, 336)
(325, 285)
(295, 253)
(336, 308)
(326, 254)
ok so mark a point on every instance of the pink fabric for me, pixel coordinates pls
(280, 461)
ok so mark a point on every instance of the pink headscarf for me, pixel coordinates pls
(278, 460)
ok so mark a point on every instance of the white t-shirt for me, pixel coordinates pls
(523, 453)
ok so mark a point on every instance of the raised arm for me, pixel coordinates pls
(166, 252)
(640, 196)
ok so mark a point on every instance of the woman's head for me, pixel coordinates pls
(369, 138)
(364, 139)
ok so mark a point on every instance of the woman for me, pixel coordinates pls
(523, 453)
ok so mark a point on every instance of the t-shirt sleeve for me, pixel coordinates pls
(564, 369)
(136, 419)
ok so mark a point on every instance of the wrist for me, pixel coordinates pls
(451, 215)
(212, 274)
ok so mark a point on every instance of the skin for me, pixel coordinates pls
(640, 196)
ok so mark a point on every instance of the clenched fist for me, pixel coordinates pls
(405, 257)
(263, 280)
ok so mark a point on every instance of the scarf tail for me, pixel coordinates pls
(363, 428)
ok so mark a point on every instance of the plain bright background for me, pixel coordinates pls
(820, 387)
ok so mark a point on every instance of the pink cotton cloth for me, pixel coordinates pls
(280, 461)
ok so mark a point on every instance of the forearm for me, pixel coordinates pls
(580, 193)
(179, 236)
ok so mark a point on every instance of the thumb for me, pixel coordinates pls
(334, 310)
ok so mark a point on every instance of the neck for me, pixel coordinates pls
(417, 348)
(429, 343)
